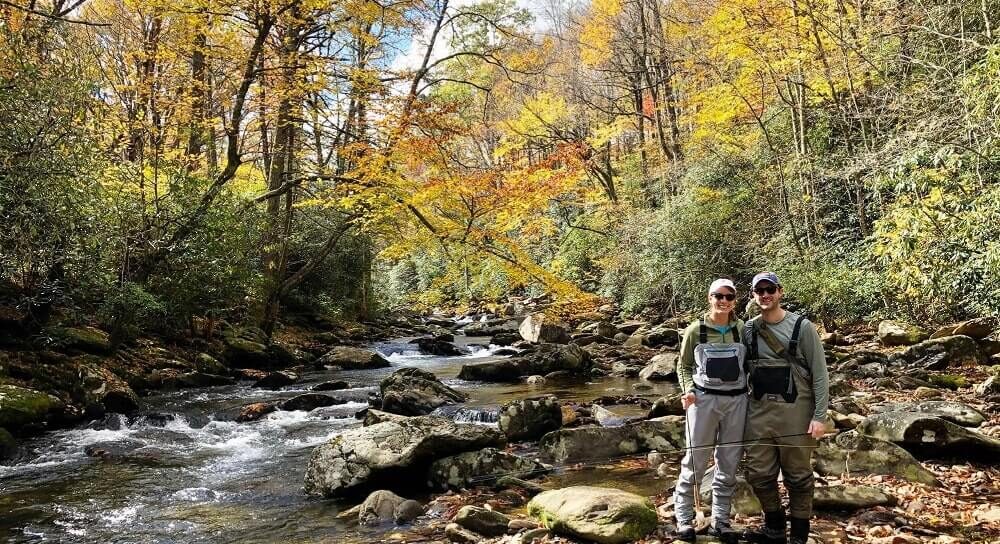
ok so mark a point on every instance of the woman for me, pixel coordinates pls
(713, 377)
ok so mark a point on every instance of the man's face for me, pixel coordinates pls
(767, 295)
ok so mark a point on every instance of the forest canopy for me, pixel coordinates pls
(166, 160)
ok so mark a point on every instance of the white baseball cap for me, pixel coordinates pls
(720, 283)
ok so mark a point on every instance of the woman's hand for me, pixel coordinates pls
(688, 399)
(817, 429)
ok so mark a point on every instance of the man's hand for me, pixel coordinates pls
(817, 429)
(688, 399)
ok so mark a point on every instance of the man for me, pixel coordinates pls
(788, 402)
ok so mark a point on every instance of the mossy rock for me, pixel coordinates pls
(20, 406)
(603, 515)
(85, 339)
(948, 381)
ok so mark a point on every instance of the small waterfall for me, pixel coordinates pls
(463, 414)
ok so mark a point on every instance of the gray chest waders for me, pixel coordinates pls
(781, 403)
(717, 416)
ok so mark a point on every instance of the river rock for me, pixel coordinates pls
(350, 358)
(929, 435)
(482, 521)
(172, 378)
(335, 385)
(480, 467)
(245, 353)
(989, 387)
(538, 328)
(85, 339)
(389, 452)
(940, 353)
(529, 419)
(103, 387)
(277, 380)
(855, 453)
(546, 359)
(373, 416)
(309, 401)
(492, 327)
(605, 417)
(603, 515)
(661, 367)
(209, 365)
(505, 338)
(891, 333)
(414, 392)
(978, 328)
(457, 533)
(850, 497)
(380, 506)
(21, 407)
(660, 337)
(588, 443)
(669, 405)
(744, 500)
(255, 411)
(437, 346)
(955, 412)
(408, 511)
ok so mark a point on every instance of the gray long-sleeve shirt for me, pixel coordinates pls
(810, 347)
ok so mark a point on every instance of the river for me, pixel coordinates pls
(185, 472)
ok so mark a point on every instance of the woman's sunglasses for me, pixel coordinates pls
(770, 289)
(720, 296)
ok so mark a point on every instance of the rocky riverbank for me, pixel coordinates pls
(912, 455)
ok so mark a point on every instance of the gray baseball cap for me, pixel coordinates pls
(765, 276)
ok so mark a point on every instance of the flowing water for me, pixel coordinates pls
(185, 472)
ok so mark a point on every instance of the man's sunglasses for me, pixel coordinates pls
(770, 289)
(720, 296)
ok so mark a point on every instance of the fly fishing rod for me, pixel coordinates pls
(598, 461)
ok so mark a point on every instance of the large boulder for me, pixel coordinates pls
(854, 453)
(989, 387)
(85, 339)
(105, 388)
(978, 328)
(309, 401)
(600, 514)
(374, 417)
(255, 411)
(537, 328)
(589, 443)
(492, 327)
(928, 435)
(529, 419)
(546, 359)
(891, 333)
(172, 378)
(662, 366)
(245, 353)
(667, 406)
(277, 379)
(482, 521)
(414, 392)
(940, 353)
(481, 468)
(8, 445)
(955, 412)
(21, 407)
(389, 453)
(850, 497)
(350, 358)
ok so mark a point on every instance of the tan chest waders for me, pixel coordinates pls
(717, 416)
(781, 404)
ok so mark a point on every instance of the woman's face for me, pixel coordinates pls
(719, 301)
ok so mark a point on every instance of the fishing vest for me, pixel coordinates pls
(719, 367)
(783, 379)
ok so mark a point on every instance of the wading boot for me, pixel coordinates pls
(686, 534)
(771, 532)
(724, 532)
(800, 531)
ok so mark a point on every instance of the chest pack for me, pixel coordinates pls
(720, 367)
(774, 379)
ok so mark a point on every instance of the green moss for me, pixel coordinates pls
(948, 381)
(20, 406)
